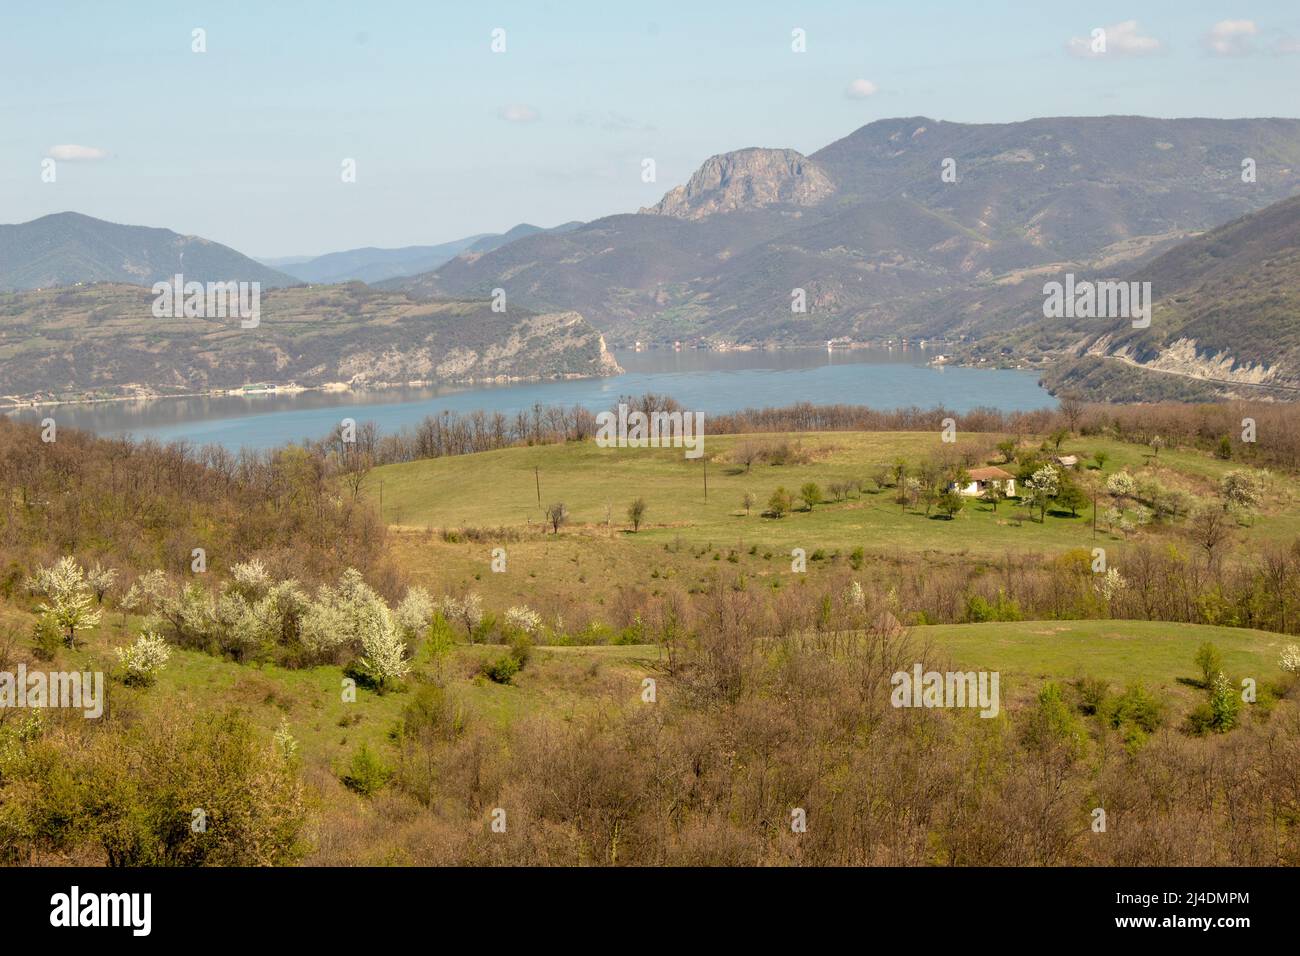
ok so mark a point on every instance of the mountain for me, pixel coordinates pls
(104, 341)
(67, 248)
(1225, 322)
(373, 265)
(490, 242)
(878, 238)
(370, 264)
(747, 179)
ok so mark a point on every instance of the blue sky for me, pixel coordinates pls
(244, 144)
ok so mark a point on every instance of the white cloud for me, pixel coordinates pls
(1122, 39)
(1230, 37)
(70, 153)
(860, 89)
(518, 113)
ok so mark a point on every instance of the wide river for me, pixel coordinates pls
(712, 382)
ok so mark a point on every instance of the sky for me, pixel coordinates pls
(245, 143)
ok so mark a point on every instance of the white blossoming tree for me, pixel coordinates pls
(353, 615)
(523, 619)
(1121, 485)
(100, 580)
(144, 659)
(414, 613)
(466, 611)
(69, 601)
(1040, 488)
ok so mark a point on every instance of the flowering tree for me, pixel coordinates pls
(145, 658)
(69, 603)
(523, 618)
(1040, 488)
(466, 611)
(1121, 485)
(100, 579)
(1243, 492)
(414, 613)
(1110, 584)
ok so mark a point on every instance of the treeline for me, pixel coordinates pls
(1262, 433)
(137, 506)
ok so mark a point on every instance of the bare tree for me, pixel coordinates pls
(1210, 530)
(556, 515)
(635, 513)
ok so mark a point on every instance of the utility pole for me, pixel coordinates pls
(381, 501)
(706, 479)
(538, 479)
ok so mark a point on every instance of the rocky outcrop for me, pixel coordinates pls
(747, 179)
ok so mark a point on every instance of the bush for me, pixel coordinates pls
(367, 774)
(46, 637)
(1224, 704)
(1135, 708)
(502, 670)
(144, 659)
(127, 794)
(1209, 662)
(1092, 694)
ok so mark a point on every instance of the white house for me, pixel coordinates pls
(982, 478)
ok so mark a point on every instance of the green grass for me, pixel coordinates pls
(1158, 653)
(499, 488)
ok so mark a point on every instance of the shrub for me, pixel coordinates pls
(1209, 662)
(144, 659)
(780, 503)
(1092, 694)
(502, 670)
(46, 637)
(1136, 707)
(366, 773)
(1224, 704)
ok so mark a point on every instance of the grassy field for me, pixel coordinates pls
(686, 537)
(501, 488)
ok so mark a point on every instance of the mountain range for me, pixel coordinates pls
(374, 265)
(907, 226)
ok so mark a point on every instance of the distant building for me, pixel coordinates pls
(981, 479)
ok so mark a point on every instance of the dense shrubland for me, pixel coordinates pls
(137, 506)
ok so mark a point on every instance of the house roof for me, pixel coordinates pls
(992, 473)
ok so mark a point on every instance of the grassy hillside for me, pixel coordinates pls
(500, 488)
